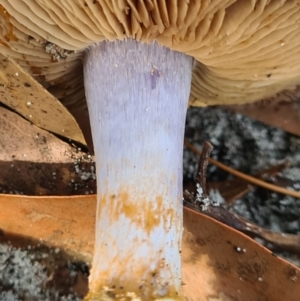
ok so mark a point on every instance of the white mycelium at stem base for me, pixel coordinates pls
(137, 98)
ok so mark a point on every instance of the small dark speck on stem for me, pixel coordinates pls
(155, 75)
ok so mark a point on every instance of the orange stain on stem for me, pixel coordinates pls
(144, 213)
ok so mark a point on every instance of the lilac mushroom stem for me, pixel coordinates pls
(137, 99)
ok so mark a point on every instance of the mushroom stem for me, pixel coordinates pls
(137, 97)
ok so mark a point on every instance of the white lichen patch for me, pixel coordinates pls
(23, 277)
(205, 201)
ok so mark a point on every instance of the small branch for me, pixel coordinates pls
(245, 177)
(202, 165)
(286, 242)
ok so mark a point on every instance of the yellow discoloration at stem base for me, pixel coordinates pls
(107, 294)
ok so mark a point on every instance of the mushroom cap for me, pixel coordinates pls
(244, 50)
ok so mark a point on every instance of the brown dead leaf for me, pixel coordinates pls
(35, 162)
(281, 111)
(218, 263)
(63, 222)
(20, 92)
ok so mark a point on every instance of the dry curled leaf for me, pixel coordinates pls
(283, 111)
(23, 94)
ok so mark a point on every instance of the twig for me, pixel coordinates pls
(234, 189)
(202, 165)
(286, 242)
(245, 177)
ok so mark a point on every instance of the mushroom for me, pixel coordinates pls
(137, 68)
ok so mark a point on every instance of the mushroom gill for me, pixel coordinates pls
(244, 50)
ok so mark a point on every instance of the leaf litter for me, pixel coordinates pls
(251, 147)
(239, 142)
